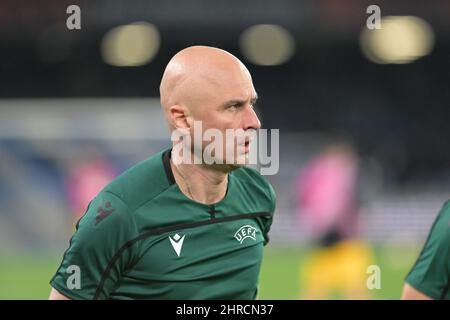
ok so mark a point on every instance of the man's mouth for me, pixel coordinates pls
(247, 146)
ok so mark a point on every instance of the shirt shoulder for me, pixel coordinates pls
(256, 184)
(142, 182)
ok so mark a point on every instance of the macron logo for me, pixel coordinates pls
(104, 210)
(177, 243)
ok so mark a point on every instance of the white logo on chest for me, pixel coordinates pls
(177, 243)
(245, 232)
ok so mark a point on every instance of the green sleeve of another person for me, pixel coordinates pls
(430, 274)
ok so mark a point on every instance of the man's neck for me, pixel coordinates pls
(202, 183)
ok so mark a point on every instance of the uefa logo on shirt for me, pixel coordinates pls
(245, 232)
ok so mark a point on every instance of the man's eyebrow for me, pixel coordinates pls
(235, 101)
(240, 101)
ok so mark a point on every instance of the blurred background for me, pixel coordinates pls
(363, 117)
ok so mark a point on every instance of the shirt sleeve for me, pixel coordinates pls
(268, 222)
(430, 273)
(99, 252)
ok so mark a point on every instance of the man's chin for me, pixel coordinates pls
(237, 166)
(228, 167)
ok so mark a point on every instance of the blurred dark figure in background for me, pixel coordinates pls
(328, 209)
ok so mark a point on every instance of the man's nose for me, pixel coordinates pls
(251, 120)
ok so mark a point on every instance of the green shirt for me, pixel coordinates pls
(431, 272)
(142, 238)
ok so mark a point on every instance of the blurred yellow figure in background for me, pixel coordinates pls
(340, 268)
(328, 209)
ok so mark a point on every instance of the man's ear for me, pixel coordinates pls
(179, 116)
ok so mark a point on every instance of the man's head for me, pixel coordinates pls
(209, 85)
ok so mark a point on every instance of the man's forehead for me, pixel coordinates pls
(226, 81)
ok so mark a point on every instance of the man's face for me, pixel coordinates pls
(228, 104)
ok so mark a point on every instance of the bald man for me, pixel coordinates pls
(174, 226)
